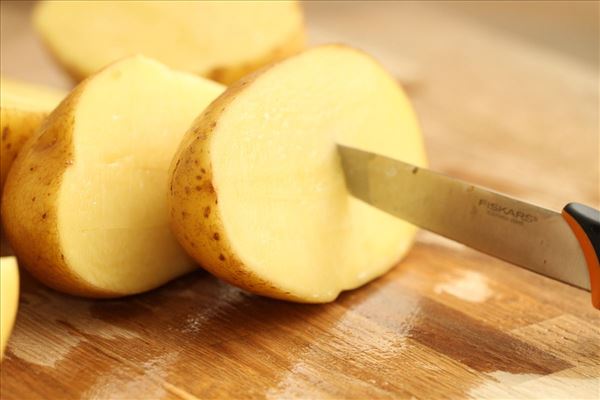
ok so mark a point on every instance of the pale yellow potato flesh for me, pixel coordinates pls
(271, 212)
(9, 298)
(23, 108)
(85, 207)
(221, 40)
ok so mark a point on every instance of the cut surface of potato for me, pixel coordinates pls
(85, 207)
(271, 212)
(221, 40)
(23, 107)
(9, 298)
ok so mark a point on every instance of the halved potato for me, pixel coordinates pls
(9, 298)
(23, 107)
(221, 40)
(257, 191)
(85, 207)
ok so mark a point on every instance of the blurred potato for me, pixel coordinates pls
(220, 40)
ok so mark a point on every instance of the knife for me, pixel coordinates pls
(563, 246)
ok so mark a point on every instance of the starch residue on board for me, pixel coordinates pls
(469, 286)
(36, 341)
(575, 383)
(33, 345)
(147, 384)
(352, 342)
(196, 320)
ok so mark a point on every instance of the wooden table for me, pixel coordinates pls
(504, 103)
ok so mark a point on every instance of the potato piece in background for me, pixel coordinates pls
(272, 213)
(23, 108)
(220, 40)
(85, 206)
(9, 298)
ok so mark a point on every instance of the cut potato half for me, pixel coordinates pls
(9, 298)
(23, 107)
(257, 190)
(85, 207)
(221, 40)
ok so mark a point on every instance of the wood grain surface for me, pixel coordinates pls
(503, 104)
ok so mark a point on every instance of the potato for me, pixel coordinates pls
(85, 206)
(9, 298)
(23, 107)
(257, 190)
(220, 40)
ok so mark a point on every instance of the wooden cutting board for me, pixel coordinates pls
(503, 103)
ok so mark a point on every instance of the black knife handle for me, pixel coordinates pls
(585, 224)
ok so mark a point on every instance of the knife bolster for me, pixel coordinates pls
(584, 221)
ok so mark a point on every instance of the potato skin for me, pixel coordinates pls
(16, 126)
(29, 203)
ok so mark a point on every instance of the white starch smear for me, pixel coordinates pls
(470, 286)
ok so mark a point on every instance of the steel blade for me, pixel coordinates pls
(529, 236)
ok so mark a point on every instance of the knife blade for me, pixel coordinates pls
(529, 236)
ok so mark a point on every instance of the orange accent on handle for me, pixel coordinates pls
(591, 259)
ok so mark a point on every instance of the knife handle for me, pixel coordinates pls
(585, 224)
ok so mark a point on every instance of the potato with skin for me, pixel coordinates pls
(9, 299)
(220, 40)
(85, 206)
(257, 190)
(23, 107)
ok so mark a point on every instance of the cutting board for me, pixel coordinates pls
(502, 104)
